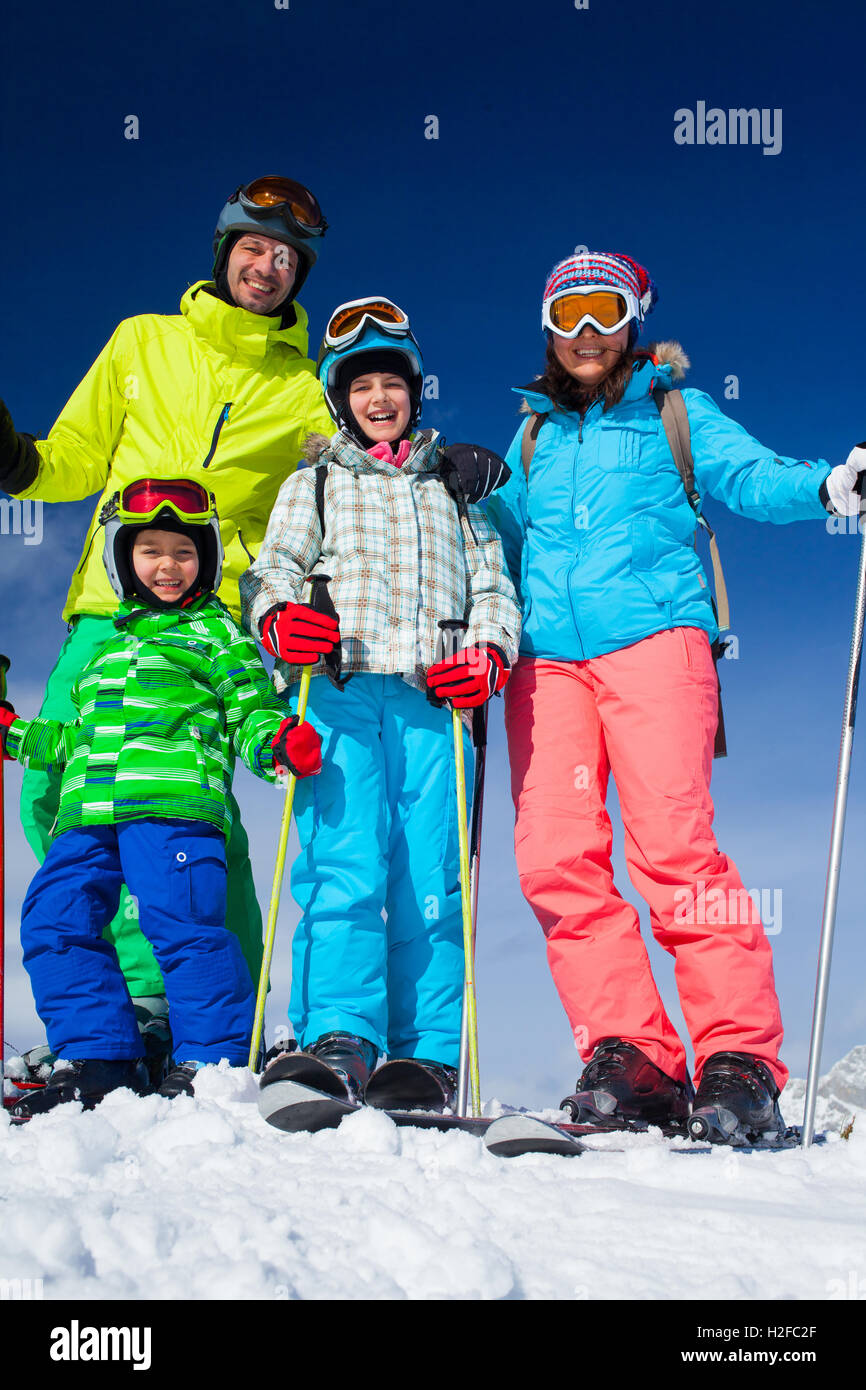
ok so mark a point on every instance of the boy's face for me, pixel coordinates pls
(380, 403)
(165, 562)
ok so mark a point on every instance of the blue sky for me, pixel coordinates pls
(555, 129)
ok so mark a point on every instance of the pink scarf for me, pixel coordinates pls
(384, 452)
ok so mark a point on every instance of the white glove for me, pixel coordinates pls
(841, 481)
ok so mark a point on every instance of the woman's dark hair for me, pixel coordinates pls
(568, 394)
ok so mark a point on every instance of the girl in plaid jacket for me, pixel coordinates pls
(377, 962)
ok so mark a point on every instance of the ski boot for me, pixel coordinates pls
(151, 1015)
(179, 1081)
(736, 1102)
(32, 1069)
(410, 1083)
(337, 1063)
(88, 1080)
(620, 1085)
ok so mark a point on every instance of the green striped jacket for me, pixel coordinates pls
(164, 707)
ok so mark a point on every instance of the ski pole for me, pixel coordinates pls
(320, 599)
(831, 890)
(4, 667)
(451, 628)
(276, 888)
(479, 738)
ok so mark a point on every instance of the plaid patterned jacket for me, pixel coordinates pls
(398, 554)
(164, 707)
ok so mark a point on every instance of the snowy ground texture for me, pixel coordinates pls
(201, 1199)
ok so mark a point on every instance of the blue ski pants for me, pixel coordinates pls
(379, 947)
(177, 871)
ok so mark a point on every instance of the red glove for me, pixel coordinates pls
(7, 718)
(297, 748)
(298, 633)
(470, 676)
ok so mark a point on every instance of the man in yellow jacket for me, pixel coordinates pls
(223, 393)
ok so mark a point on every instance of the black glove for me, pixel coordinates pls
(19, 457)
(471, 472)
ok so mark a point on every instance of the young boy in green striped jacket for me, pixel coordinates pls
(164, 707)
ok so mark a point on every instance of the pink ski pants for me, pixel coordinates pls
(647, 714)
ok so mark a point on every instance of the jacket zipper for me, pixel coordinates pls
(224, 415)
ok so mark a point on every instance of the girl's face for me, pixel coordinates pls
(380, 403)
(165, 562)
(591, 356)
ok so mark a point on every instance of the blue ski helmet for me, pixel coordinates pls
(371, 334)
(273, 207)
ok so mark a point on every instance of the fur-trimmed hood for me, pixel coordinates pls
(671, 354)
(314, 446)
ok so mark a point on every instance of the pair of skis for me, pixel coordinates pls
(302, 1094)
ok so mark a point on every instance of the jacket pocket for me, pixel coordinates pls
(201, 761)
(668, 568)
(218, 429)
(654, 562)
(633, 447)
(201, 876)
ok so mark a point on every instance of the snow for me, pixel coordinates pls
(200, 1199)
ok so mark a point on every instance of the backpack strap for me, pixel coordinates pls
(321, 479)
(675, 419)
(530, 438)
(320, 598)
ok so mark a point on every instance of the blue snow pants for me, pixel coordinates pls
(177, 871)
(378, 833)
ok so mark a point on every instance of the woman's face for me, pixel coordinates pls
(591, 356)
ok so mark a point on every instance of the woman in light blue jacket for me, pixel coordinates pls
(616, 675)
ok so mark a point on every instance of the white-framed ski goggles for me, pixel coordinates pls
(348, 320)
(607, 310)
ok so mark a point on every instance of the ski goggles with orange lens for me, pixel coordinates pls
(607, 310)
(347, 321)
(292, 201)
(143, 500)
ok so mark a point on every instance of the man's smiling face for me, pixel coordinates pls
(261, 272)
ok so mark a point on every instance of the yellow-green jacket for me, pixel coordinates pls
(214, 393)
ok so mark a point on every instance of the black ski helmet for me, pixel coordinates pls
(273, 207)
